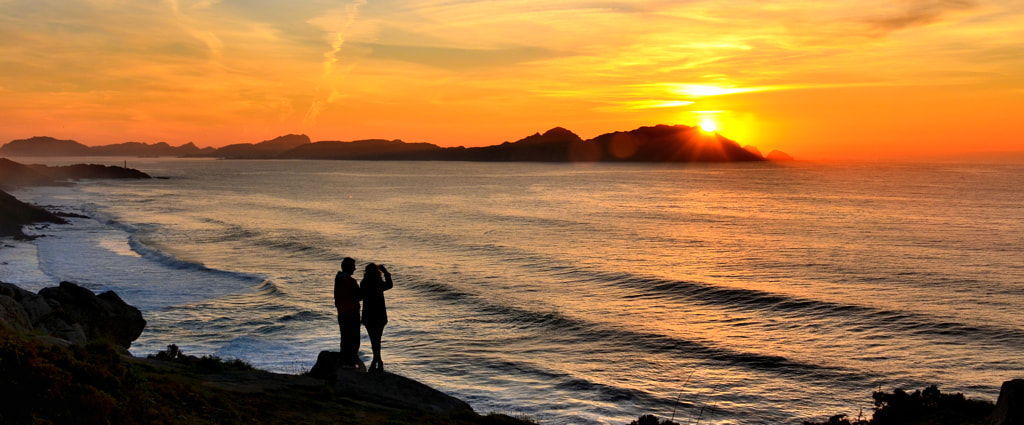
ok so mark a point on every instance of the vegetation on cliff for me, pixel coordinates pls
(927, 407)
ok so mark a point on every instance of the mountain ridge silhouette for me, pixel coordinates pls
(659, 143)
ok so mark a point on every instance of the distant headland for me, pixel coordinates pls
(660, 143)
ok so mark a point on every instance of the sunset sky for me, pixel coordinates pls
(816, 79)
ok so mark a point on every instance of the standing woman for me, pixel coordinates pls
(375, 313)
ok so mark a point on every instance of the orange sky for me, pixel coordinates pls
(817, 79)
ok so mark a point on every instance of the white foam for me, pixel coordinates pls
(20, 266)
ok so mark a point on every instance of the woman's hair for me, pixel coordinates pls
(371, 272)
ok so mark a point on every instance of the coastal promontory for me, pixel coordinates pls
(14, 214)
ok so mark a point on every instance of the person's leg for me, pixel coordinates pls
(375, 333)
(343, 334)
(353, 350)
(349, 325)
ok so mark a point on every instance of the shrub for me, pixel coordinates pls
(930, 407)
(651, 420)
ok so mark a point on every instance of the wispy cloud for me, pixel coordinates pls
(336, 23)
(209, 38)
(458, 58)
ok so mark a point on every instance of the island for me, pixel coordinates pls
(659, 143)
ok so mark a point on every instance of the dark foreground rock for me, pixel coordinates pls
(383, 388)
(71, 312)
(91, 384)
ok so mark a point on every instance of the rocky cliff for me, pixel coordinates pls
(70, 313)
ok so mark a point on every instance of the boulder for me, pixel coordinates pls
(13, 316)
(327, 365)
(60, 326)
(1010, 407)
(35, 306)
(100, 317)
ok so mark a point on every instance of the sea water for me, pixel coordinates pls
(573, 293)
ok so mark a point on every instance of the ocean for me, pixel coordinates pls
(573, 293)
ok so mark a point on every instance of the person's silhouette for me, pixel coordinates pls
(375, 313)
(346, 299)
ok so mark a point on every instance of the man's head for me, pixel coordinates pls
(348, 265)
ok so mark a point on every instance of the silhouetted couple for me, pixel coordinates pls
(347, 295)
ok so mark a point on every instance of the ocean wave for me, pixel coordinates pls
(269, 288)
(646, 287)
(849, 314)
(645, 342)
(171, 261)
(151, 253)
(306, 316)
(292, 242)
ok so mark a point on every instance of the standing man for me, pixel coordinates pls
(346, 299)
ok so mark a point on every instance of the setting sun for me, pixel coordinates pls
(708, 126)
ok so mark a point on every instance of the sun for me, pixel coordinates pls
(708, 126)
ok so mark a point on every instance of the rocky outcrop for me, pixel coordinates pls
(89, 171)
(1010, 407)
(383, 388)
(72, 313)
(14, 214)
(13, 317)
(13, 174)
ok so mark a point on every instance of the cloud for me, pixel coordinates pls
(458, 58)
(336, 23)
(212, 42)
(655, 104)
(919, 12)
